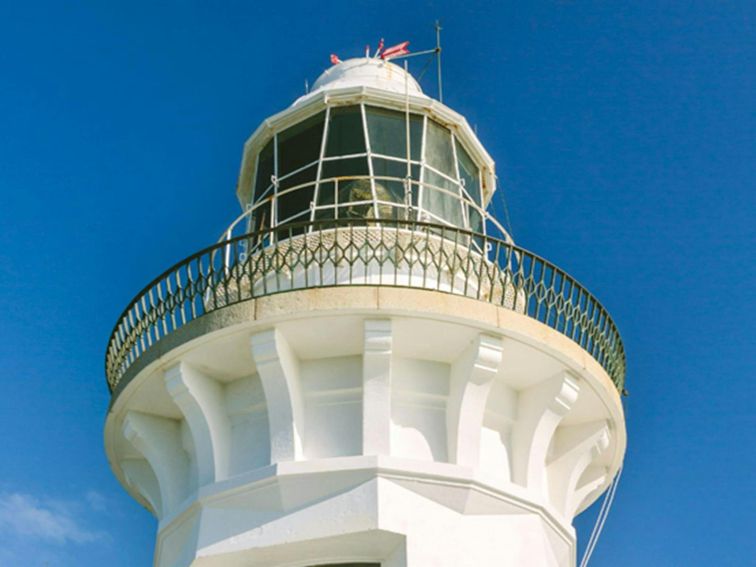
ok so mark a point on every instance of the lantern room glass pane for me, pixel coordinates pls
(344, 167)
(476, 220)
(393, 168)
(264, 170)
(441, 203)
(388, 132)
(300, 144)
(326, 198)
(468, 171)
(383, 168)
(438, 149)
(298, 200)
(345, 133)
(261, 218)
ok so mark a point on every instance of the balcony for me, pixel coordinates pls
(362, 252)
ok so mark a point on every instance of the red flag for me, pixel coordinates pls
(396, 50)
(335, 59)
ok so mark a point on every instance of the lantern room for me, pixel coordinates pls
(366, 143)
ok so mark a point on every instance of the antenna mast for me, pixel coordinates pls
(438, 62)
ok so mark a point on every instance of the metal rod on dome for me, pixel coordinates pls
(438, 62)
(415, 54)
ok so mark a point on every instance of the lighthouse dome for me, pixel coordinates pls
(368, 72)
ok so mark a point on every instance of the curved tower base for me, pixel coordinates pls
(365, 425)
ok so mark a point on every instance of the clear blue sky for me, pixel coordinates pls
(624, 135)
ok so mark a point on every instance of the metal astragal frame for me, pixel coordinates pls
(363, 252)
(462, 195)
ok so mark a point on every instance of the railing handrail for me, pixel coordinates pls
(133, 332)
(480, 209)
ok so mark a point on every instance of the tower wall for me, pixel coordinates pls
(405, 427)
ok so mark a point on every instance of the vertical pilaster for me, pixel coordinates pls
(471, 378)
(591, 480)
(376, 387)
(278, 367)
(158, 439)
(201, 401)
(575, 448)
(140, 475)
(539, 411)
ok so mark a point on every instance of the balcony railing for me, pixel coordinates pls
(363, 252)
(368, 196)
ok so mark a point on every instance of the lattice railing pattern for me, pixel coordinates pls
(352, 253)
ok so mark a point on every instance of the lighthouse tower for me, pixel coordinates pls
(365, 369)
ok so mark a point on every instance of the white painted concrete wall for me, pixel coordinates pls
(396, 435)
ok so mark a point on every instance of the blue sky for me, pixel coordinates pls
(624, 138)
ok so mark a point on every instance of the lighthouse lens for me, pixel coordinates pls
(332, 187)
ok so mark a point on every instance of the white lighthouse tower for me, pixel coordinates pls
(365, 369)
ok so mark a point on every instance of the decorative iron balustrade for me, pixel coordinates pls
(364, 252)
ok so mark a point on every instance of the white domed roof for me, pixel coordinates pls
(367, 72)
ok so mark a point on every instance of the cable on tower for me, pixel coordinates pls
(606, 506)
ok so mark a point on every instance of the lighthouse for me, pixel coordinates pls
(365, 369)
